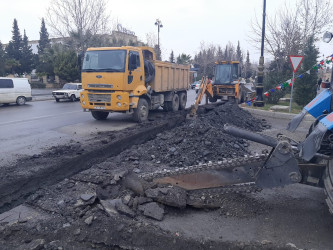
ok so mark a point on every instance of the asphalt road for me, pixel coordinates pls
(43, 123)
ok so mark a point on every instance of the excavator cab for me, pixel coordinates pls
(226, 72)
(226, 84)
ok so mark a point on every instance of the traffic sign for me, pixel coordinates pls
(296, 62)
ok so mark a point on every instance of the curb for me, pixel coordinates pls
(280, 115)
(42, 98)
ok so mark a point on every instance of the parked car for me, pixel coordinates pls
(70, 91)
(14, 90)
(197, 86)
(193, 84)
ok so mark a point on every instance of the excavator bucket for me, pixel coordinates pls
(205, 88)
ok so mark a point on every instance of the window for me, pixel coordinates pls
(6, 83)
(104, 61)
(137, 57)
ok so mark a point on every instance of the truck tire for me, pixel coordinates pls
(142, 111)
(99, 115)
(175, 102)
(182, 100)
(328, 185)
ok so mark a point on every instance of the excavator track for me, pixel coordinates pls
(328, 183)
(258, 160)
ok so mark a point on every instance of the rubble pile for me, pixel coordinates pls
(197, 141)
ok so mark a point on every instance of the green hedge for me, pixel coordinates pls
(38, 85)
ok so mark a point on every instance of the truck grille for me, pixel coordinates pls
(227, 91)
(58, 93)
(97, 85)
(99, 98)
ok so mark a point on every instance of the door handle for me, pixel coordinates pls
(140, 78)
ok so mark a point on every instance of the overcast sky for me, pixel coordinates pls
(185, 23)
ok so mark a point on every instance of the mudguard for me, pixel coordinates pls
(315, 108)
(309, 147)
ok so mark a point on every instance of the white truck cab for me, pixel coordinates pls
(70, 91)
(14, 90)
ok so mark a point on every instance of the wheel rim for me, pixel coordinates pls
(20, 100)
(143, 112)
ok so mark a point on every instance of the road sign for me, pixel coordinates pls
(296, 62)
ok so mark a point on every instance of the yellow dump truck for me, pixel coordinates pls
(130, 80)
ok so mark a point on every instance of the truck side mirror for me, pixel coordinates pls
(132, 62)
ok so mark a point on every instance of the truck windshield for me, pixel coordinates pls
(104, 61)
(225, 73)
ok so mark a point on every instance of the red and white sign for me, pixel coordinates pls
(296, 62)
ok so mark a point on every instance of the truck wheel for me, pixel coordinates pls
(212, 99)
(142, 111)
(182, 100)
(20, 100)
(99, 115)
(175, 102)
(73, 98)
(57, 99)
(328, 184)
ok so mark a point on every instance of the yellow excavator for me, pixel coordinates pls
(225, 86)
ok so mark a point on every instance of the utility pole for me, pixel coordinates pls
(159, 25)
(259, 101)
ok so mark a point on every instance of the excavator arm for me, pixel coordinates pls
(206, 87)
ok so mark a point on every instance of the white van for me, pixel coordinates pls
(14, 90)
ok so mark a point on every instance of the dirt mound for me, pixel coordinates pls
(196, 140)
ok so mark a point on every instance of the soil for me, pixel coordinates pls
(96, 200)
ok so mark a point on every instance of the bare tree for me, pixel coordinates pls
(288, 30)
(151, 39)
(81, 20)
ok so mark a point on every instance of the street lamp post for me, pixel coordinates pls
(159, 25)
(259, 102)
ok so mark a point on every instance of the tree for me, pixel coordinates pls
(239, 57)
(45, 62)
(305, 87)
(248, 66)
(288, 31)
(27, 59)
(184, 59)
(2, 60)
(66, 65)
(81, 20)
(44, 41)
(172, 57)
(14, 46)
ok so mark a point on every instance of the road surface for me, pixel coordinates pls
(38, 125)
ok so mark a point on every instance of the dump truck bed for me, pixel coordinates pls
(170, 76)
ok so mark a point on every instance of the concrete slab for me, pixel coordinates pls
(21, 214)
(280, 108)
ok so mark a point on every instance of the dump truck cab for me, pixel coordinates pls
(226, 85)
(122, 79)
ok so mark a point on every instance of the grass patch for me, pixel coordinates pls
(295, 109)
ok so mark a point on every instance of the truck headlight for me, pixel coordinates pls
(82, 96)
(119, 104)
(83, 102)
(119, 97)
